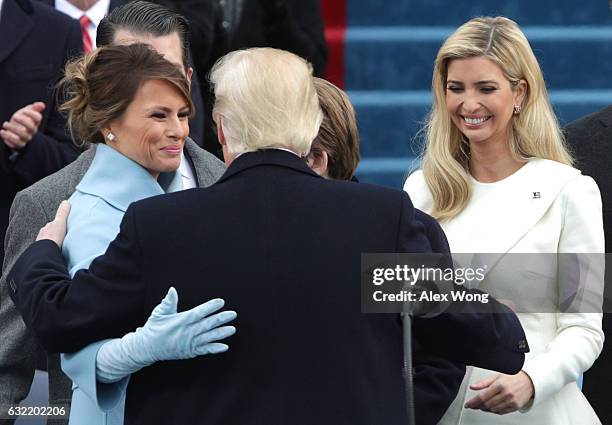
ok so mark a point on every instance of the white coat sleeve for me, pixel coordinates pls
(579, 337)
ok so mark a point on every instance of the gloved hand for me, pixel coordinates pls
(167, 335)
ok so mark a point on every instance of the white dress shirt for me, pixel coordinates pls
(95, 14)
(187, 173)
(0, 8)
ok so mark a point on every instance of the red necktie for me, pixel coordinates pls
(87, 45)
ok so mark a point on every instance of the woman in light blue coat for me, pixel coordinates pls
(135, 106)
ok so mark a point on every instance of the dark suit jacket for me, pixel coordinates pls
(36, 43)
(433, 231)
(590, 139)
(282, 246)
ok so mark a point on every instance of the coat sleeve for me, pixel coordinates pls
(18, 347)
(436, 379)
(81, 369)
(103, 302)
(436, 383)
(579, 338)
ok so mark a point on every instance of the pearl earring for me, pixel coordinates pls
(110, 136)
(517, 109)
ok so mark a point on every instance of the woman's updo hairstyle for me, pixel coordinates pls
(99, 87)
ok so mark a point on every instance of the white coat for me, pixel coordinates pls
(545, 207)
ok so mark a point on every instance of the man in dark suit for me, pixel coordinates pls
(36, 43)
(283, 247)
(590, 139)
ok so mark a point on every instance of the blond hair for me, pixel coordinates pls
(535, 131)
(265, 98)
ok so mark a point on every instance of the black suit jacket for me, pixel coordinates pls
(590, 139)
(36, 41)
(282, 246)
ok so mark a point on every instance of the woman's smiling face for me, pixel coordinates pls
(480, 99)
(153, 129)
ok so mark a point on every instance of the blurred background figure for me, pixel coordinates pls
(88, 13)
(36, 42)
(292, 25)
(590, 139)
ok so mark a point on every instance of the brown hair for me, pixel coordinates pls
(338, 134)
(100, 86)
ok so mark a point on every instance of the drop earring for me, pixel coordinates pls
(517, 109)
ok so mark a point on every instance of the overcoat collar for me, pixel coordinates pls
(15, 26)
(275, 157)
(192, 151)
(120, 181)
(200, 159)
(535, 190)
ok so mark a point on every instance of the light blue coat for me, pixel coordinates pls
(110, 185)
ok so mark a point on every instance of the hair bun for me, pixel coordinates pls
(75, 93)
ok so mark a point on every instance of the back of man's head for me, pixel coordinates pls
(265, 98)
(338, 136)
(146, 19)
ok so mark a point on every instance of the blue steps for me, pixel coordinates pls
(389, 121)
(379, 58)
(391, 48)
(454, 13)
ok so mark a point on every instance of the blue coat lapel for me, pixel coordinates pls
(111, 166)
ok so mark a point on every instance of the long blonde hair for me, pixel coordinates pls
(535, 131)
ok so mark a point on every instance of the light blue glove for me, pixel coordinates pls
(167, 335)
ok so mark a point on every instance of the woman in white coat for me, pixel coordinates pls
(498, 177)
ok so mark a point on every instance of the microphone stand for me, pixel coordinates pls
(408, 370)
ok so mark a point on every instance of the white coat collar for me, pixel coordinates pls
(536, 187)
